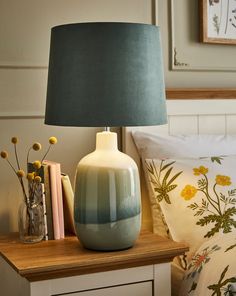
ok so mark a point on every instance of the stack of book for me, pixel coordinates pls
(57, 200)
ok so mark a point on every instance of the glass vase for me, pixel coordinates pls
(31, 218)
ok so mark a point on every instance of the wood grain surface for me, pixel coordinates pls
(61, 258)
(200, 93)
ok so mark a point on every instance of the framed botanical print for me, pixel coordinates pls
(218, 21)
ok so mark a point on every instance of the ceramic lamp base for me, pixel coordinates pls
(113, 236)
(107, 208)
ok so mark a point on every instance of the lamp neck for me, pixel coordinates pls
(106, 141)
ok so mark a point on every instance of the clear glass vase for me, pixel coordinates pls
(31, 219)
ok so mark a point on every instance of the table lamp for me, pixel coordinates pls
(106, 75)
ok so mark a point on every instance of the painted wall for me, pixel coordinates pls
(24, 47)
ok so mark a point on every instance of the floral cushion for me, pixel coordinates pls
(212, 270)
(152, 144)
(197, 196)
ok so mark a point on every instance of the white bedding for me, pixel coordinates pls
(211, 266)
(212, 271)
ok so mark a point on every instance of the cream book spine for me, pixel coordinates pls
(54, 198)
(68, 204)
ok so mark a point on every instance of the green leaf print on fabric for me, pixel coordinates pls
(230, 248)
(223, 286)
(162, 179)
(216, 206)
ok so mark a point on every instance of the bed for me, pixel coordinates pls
(188, 182)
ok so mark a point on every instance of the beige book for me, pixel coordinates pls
(68, 204)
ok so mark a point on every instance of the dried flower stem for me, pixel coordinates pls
(46, 153)
(17, 159)
(35, 178)
(11, 166)
(20, 179)
(23, 189)
(27, 159)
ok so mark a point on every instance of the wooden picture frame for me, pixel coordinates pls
(217, 21)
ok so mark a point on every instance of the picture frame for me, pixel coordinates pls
(218, 21)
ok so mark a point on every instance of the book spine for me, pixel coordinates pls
(48, 202)
(53, 182)
(68, 204)
(60, 201)
(44, 213)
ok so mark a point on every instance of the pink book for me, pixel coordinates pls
(57, 202)
(60, 201)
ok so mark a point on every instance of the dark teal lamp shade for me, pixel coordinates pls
(105, 74)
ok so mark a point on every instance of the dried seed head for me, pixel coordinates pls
(14, 140)
(38, 179)
(37, 164)
(4, 154)
(37, 146)
(30, 176)
(52, 140)
(20, 173)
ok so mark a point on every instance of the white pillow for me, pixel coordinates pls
(151, 145)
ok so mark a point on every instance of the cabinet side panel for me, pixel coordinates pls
(11, 282)
(162, 279)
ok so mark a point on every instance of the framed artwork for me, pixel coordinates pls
(218, 21)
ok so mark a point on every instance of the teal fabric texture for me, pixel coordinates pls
(105, 74)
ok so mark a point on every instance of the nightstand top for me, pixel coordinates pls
(66, 257)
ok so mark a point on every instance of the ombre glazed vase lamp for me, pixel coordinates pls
(106, 75)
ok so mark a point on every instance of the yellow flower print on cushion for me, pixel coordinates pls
(223, 180)
(188, 192)
(200, 171)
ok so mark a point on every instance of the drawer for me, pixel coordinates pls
(137, 289)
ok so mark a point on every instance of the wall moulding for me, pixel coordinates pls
(23, 67)
(187, 53)
(171, 94)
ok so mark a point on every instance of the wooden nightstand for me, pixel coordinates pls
(61, 267)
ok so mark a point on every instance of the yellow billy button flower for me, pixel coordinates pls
(200, 171)
(30, 176)
(38, 179)
(37, 164)
(14, 140)
(188, 192)
(37, 146)
(52, 140)
(223, 180)
(20, 173)
(4, 154)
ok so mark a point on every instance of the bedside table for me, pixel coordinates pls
(61, 267)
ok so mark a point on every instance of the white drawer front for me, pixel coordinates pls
(138, 289)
